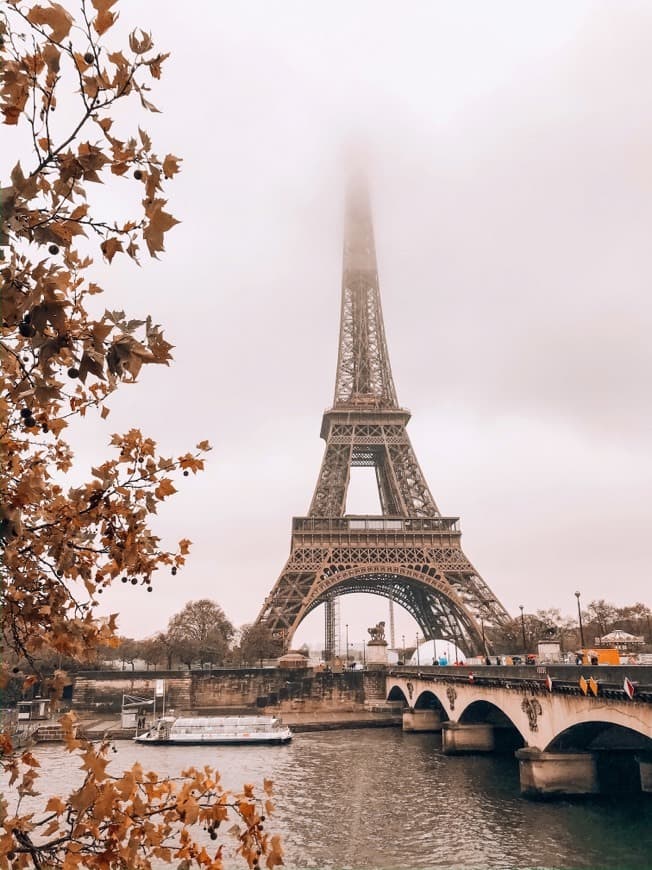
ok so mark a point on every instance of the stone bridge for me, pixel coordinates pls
(566, 741)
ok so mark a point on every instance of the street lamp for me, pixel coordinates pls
(364, 655)
(523, 629)
(417, 640)
(403, 640)
(456, 644)
(347, 644)
(484, 640)
(579, 616)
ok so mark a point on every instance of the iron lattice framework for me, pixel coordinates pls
(410, 554)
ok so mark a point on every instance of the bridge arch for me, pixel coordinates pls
(600, 734)
(615, 749)
(592, 722)
(428, 700)
(508, 736)
(397, 694)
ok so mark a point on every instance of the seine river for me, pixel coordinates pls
(347, 800)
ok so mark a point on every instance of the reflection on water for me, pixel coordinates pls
(348, 800)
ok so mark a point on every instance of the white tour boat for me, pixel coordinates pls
(216, 729)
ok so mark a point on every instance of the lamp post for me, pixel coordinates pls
(523, 629)
(484, 640)
(347, 644)
(403, 641)
(364, 655)
(417, 641)
(579, 617)
(456, 645)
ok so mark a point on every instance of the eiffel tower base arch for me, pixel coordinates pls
(417, 563)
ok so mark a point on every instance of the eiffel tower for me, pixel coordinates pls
(410, 554)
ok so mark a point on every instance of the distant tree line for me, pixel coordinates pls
(200, 634)
(599, 618)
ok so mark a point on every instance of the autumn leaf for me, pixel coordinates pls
(55, 805)
(142, 44)
(110, 248)
(29, 759)
(52, 57)
(170, 165)
(105, 18)
(53, 16)
(159, 222)
(164, 489)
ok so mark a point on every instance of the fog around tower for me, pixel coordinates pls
(509, 159)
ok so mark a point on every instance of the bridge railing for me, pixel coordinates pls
(565, 679)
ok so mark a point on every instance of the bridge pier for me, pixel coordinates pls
(645, 770)
(557, 773)
(422, 720)
(460, 737)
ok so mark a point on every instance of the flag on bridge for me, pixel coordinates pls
(584, 686)
(593, 686)
(549, 682)
(629, 687)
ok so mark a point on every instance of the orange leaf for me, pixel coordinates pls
(170, 165)
(55, 805)
(140, 46)
(105, 18)
(159, 223)
(110, 247)
(165, 488)
(55, 17)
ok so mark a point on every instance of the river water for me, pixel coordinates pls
(348, 800)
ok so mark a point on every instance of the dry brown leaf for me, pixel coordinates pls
(158, 224)
(171, 165)
(54, 16)
(105, 18)
(110, 247)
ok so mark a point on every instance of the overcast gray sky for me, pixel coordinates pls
(510, 162)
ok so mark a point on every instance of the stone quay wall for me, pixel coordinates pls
(232, 689)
